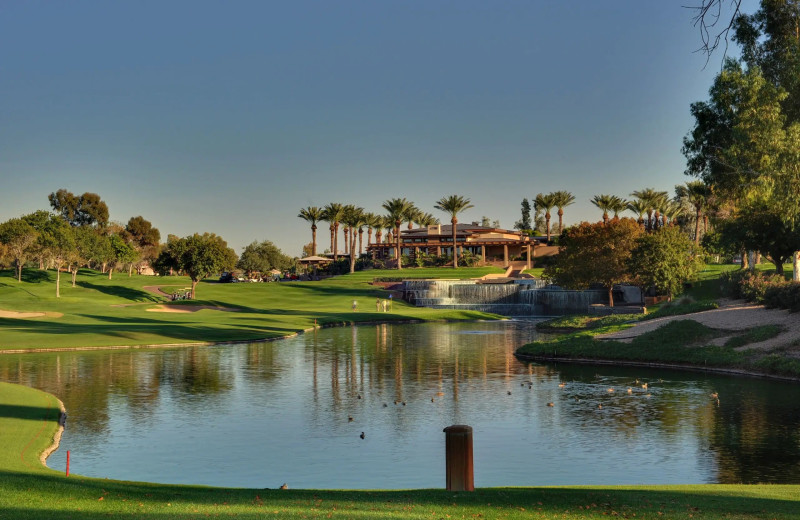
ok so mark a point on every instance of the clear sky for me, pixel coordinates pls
(229, 117)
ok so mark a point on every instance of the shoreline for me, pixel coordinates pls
(654, 364)
(229, 342)
(62, 420)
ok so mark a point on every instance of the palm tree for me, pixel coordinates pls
(454, 204)
(399, 210)
(605, 203)
(697, 194)
(423, 219)
(671, 210)
(412, 217)
(618, 204)
(353, 218)
(312, 214)
(545, 203)
(333, 214)
(639, 207)
(650, 198)
(562, 200)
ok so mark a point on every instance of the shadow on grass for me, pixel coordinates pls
(33, 413)
(122, 292)
(48, 495)
(132, 329)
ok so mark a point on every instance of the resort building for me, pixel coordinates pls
(491, 245)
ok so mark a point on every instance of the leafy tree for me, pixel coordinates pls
(144, 238)
(761, 228)
(122, 253)
(57, 243)
(197, 255)
(453, 204)
(261, 257)
(524, 224)
(19, 237)
(84, 210)
(313, 215)
(665, 260)
(595, 253)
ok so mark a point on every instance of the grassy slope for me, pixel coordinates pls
(102, 312)
(683, 342)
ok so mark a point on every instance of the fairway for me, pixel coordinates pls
(124, 311)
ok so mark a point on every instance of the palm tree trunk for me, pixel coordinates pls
(697, 228)
(547, 224)
(346, 237)
(313, 240)
(397, 231)
(335, 241)
(332, 239)
(352, 250)
(560, 221)
(454, 222)
(360, 241)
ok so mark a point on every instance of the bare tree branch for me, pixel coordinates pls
(714, 24)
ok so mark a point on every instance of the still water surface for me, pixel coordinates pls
(262, 414)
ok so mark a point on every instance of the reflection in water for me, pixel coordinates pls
(262, 414)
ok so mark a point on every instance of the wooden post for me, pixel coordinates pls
(458, 448)
(505, 255)
(528, 256)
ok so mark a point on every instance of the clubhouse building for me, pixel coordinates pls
(493, 246)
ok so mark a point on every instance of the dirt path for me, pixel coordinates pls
(734, 315)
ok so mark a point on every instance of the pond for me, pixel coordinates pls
(292, 411)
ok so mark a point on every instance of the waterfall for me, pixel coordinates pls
(529, 297)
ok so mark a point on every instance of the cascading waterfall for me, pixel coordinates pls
(522, 298)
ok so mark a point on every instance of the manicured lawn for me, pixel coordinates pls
(102, 312)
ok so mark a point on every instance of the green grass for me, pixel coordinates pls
(99, 312)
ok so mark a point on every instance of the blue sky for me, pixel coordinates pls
(229, 117)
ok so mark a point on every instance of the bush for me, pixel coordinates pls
(783, 296)
(773, 290)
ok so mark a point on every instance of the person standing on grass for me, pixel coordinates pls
(355, 305)
(378, 305)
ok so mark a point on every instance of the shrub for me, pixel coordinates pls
(783, 296)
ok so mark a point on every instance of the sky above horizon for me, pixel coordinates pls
(229, 117)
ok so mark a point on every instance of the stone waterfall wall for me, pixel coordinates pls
(529, 298)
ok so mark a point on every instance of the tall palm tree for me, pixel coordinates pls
(412, 217)
(353, 218)
(453, 204)
(661, 201)
(605, 203)
(399, 210)
(696, 193)
(545, 203)
(333, 214)
(562, 200)
(312, 214)
(639, 207)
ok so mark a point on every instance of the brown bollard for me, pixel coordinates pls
(458, 446)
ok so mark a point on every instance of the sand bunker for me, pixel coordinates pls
(188, 308)
(15, 314)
